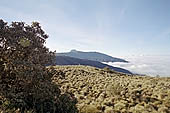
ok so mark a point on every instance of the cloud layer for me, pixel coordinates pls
(149, 65)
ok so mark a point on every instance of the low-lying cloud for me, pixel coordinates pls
(147, 65)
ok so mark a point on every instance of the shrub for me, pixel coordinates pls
(89, 109)
(108, 70)
(24, 80)
(114, 89)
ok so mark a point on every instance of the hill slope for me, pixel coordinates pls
(95, 56)
(65, 60)
(102, 91)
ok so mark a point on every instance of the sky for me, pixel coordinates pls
(114, 27)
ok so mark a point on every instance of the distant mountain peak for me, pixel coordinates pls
(73, 50)
(95, 56)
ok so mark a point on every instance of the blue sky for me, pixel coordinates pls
(115, 27)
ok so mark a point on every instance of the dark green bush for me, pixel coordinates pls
(24, 80)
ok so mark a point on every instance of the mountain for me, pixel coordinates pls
(66, 60)
(95, 56)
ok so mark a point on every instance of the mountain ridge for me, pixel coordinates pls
(66, 60)
(95, 56)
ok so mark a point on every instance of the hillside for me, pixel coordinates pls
(104, 91)
(95, 56)
(65, 60)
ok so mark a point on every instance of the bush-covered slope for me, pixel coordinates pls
(105, 91)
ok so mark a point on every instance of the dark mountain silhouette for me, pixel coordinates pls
(95, 56)
(66, 60)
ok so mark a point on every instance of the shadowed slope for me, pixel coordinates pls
(65, 60)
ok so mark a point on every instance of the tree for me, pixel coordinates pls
(24, 80)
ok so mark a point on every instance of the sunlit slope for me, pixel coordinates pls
(105, 91)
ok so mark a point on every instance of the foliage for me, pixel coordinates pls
(108, 70)
(114, 89)
(89, 109)
(114, 92)
(24, 80)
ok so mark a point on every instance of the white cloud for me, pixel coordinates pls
(149, 65)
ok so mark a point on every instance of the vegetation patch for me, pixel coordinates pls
(105, 91)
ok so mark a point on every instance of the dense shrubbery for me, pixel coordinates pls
(104, 91)
(24, 80)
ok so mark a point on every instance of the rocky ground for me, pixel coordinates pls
(106, 91)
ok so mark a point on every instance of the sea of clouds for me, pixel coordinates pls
(146, 65)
